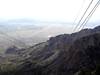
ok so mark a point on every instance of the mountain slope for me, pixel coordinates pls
(64, 54)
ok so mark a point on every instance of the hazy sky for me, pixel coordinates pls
(44, 10)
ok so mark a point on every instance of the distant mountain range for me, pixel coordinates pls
(67, 54)
(29, 32)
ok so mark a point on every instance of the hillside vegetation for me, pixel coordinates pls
(66, 54)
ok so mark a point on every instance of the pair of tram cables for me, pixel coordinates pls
(81, 24)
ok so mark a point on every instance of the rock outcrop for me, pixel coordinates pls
(67, 54)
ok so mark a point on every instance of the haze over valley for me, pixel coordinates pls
(29, 32)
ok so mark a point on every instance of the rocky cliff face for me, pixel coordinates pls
(66, 54)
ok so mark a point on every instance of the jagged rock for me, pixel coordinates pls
(11, 50)
(66, 54)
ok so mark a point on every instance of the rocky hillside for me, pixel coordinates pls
(67, 54)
